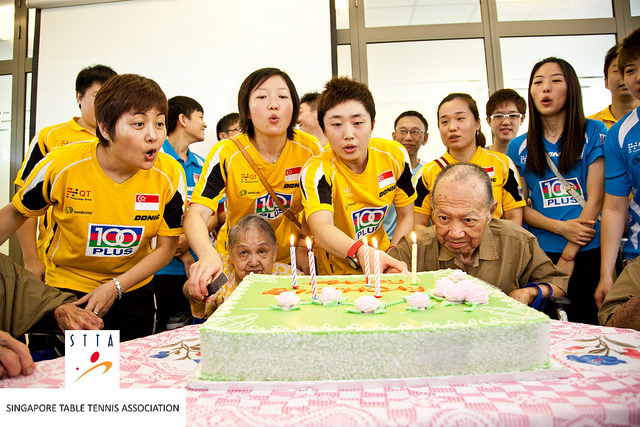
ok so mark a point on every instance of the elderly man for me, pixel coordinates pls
(25, 301)
(465, 236)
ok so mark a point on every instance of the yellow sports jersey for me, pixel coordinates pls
(227, 172)
(505, 179)
(359, 202)
(100, 229)
(41, 144)
(605, 117)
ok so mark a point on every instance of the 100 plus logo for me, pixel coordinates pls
(367, 220)
(268, 208)
(113, 240)
(555, 195)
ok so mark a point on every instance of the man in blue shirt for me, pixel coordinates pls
(185, 125)
(622, 174)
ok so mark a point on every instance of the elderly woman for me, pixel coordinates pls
(109, 201)
(252, 249)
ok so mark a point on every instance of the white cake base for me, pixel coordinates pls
(554, 371)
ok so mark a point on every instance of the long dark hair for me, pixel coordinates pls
(481, 141)
(575, 124)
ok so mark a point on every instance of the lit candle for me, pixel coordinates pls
(376, 266)
(366, 261)
(312, 270)
(294, 269)
(414, 259)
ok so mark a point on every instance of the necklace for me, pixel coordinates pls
(263, 153)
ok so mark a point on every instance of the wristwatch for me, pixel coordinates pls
(351, 255)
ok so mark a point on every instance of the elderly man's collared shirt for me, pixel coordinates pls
(508, 257)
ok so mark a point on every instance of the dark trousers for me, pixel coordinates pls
(133, 315)
(169, 298)
(582, 286)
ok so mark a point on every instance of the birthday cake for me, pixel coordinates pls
(445, 324)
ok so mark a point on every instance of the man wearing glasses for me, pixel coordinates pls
(505, 113)
(410, 130)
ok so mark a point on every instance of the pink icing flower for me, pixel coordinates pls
(442, 287)
(457, 275)
(474, 292)
(367, 304)
(329, 293)
(448, 290)
(419, 300)
(287, 299)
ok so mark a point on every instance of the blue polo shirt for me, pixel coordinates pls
(192, 170)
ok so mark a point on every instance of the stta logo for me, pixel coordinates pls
(78, 194)
(367, 220)
(266, 207)
(113, 240)
(92, 359)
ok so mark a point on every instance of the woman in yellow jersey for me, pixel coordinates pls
(459, 126)
(348, 189)
(268, 105)
(109, 201)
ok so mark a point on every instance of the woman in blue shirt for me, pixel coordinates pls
(558, 130)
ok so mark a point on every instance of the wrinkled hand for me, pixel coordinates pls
(202, 273)
(183, 246)
(100, 299)
(36, 267)
(15, 358)
(578, 230)
(187, 259)
(525, 295)
(69, 316)
(198, 306)
(604, 286)
(566, 266)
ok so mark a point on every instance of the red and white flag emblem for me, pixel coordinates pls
(292, 174)
(490, 171)
(386, 179)
(147, 202)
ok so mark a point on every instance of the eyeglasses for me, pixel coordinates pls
(512, 117)
(414, 132)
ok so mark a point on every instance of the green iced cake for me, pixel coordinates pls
(267, 331)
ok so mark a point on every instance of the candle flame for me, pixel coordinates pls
(365, 241)
(375, 243)
(308, 243)
(291, 240)
(413, 236)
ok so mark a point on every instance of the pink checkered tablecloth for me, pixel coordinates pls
(603, 388)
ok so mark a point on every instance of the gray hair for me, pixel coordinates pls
(462, 173)
(252, 221)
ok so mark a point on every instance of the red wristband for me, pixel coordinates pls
(567, 259)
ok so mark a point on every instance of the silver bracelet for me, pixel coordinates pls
(118, 287)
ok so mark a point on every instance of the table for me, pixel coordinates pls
(603, 388)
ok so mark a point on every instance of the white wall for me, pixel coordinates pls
(199, 48)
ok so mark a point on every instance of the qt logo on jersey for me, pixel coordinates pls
(113, 240)
(367, 220)
(266, 207)
(554, 194)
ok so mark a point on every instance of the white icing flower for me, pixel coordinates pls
(474, 292)
(457, 275)
(367, 304)
(287, 299)
(442, 287)
(419, 300)
(329, 293)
